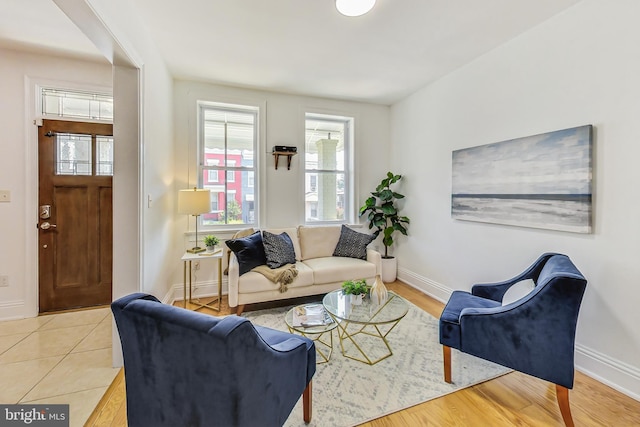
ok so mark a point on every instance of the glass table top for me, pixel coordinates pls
(340, 306)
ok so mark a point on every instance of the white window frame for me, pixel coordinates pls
(255, 168)
(349, 166)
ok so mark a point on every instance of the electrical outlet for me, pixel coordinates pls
(196, 265)
(4, 281)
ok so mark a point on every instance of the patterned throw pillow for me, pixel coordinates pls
(278, 249)
(249, 251)
(352, 244)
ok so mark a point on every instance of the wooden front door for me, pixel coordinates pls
(75, 214)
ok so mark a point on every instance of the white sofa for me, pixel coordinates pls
(318, 271)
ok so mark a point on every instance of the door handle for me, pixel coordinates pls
(46, 226)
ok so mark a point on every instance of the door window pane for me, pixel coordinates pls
(73, 154)
(104, 155)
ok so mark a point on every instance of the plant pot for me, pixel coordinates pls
(356, 299)
(211, 248)
(389, 269)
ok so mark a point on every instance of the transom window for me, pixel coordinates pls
(58, 103)
(228, 143)
(327, 168)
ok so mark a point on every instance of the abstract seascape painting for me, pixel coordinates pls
(540, 181)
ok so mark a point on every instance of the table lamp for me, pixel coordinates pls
(194, 202)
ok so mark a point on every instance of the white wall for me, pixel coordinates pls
(580, 67)
(19, 73)
(150, 177)
(282, 190)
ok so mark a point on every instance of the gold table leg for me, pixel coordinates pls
(208, 305)
(317, 338)
(344, 335)
(184, 284)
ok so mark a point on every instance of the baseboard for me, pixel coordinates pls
(430, 287)
(607, 370)
(601, 367)
(200, 290)
(12, 310)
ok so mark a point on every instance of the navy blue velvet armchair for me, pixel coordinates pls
(534, 335)
(184, 368)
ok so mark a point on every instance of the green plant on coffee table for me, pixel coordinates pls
(355, 287)
(211, 240)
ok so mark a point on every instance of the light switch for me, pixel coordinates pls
(5, 196)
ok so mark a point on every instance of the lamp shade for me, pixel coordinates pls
(354, 7)
(194, 201)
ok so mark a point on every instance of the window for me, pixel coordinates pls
(76, 104)
(231, 174)
(104, 155)
(327, 168)
(228, 141)
(79, 154)
(74, 154)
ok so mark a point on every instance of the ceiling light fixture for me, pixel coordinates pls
(354, 7)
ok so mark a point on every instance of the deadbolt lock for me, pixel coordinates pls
(45, 211)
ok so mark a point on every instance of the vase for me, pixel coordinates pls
(356, 299)
(378, 292)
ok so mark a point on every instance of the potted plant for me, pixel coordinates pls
(210, 242)
(382, 214)
(357, 288)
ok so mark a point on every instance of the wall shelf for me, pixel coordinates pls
(288, 154)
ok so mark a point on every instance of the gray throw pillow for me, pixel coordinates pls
(352, 244)
(279, 249)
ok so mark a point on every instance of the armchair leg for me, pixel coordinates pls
(306, 403)
(446, 352)
(239, 309)
(562, 394)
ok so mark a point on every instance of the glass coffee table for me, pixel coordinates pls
(363, 328)
(316, 332)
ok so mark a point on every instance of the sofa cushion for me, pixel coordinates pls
(338, 269)
(256, 282)
(279, 249)
(352, 244)
(249, 251)
(316, 242)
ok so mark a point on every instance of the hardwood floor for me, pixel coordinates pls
(514, 399)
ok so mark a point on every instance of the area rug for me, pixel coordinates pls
(348, 392)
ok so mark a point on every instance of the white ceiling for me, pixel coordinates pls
(300, 46)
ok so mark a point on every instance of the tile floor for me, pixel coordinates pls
(58, 358)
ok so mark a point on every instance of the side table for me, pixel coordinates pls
(187, 262)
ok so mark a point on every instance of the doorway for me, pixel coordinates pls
(75, 223)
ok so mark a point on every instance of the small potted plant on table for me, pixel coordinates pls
(210, 242)
(356, 288)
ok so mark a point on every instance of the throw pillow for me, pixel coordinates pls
(318, 242)
(279, 249)
(249, 251)
(242, 233)
(352, 244)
